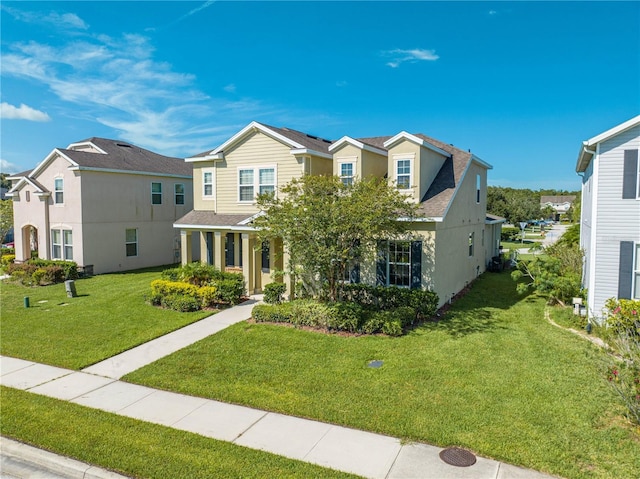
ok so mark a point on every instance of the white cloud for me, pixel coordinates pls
(66, 21)
(22, 112)
(493, 12)
(231, 88)
(399, 56)
(7, 167)
(341, 83)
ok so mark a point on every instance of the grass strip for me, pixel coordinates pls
(136, 448)
(108, 316)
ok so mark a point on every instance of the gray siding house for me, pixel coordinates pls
(610, 220)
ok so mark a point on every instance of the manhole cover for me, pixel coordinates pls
(457, 457)
(375, 364)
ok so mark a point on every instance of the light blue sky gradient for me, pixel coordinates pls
(521, 84)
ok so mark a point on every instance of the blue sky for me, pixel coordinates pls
(521, 84)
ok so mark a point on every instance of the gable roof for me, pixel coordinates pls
(586, 149)
(299, 142)
(557, 199)
(117, 156)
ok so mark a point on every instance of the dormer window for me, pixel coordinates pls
(58, 191)
(347, 172)
(403, 174)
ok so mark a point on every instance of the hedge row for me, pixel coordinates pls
(389, 298)
(42, 271)
(339, 316)
(196, 286)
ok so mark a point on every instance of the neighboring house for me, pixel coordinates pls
(560, 204)
(107, 205)
(610, 222)
(445, 251)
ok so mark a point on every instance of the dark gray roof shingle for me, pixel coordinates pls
(124, 156)
(209, 218)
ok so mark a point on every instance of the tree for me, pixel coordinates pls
(326, 226)
(557, 273)
(6, 218)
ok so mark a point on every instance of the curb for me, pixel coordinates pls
(16, 457)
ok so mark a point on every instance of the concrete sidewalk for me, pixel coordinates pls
(147, 353)
(359, 452)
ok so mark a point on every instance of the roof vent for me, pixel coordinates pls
(124, 145)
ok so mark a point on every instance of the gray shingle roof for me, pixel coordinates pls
(557, 199)
(309, 141)
(209, 218)
(127, 157)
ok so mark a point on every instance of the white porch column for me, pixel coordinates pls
(185, 247)
(248, 265)
(218, 250)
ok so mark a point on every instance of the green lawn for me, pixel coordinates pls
(108, 316)
(494, 377)
(138, 449)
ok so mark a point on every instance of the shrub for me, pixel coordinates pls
(165, 289)
(343, 316)
(273, 292)
(230, 290)
(391, 322)
(48, 275)
(623, 315)
(272, 313)
(308, 312)
(387, 298)
(208, 296)
(510, 234)
(69, 268)
(180, 303)
(7, 259)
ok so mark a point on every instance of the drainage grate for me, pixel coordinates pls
(375, 363)
(457, 457)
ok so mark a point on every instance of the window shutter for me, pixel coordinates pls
(630, 174)
(625, 270)
(416, 264)
(381, 264)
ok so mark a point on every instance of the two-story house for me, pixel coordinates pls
(448, 247)
(107, 205)
(610, 218)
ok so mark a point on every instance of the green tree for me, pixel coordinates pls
(557, 273)
(6, 218)
(327, 226)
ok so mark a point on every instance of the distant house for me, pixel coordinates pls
(560, 204)
(448, 248)
(107, 205)
(610, 222)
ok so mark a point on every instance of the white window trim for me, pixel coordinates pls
(635, 272)
(63, 245)
(213, 182)
(389, 263)
(152, 193)
(348, 160)
(55, 191)
(136, 242)
(638, 179)
(404, 157)
(256, 181)
(175, 194)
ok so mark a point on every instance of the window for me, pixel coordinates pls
(347, 172)
(471, 238)
(403, 174)
(58, 191)
(482, 240)
(131, 242)
(251, 182)
(636, 273)
(62, 244)
(399, 263)
(178, 190)
(27, 196)
(478, 183)
(156, 193)
(67, 243)
(56, 244)
(207, 183)
(265, 256)
(245, 183)
(631, 175)
(267, 178)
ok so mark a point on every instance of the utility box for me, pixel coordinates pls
(70, 287)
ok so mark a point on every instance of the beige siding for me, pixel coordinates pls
(347, 153)
(320, 166)
(427, 169)
(367, 163)
(257, 150)
(373, 164)
(406, 149)
(201, 202)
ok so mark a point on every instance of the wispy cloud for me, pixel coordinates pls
(22, 112)
(399, 56)
(493, 12)
(191, 12)
(56, 19)
(341, 83)
(231, 88)
(7, 167)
